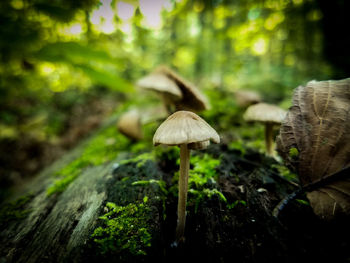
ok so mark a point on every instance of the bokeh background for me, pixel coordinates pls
(65, 65)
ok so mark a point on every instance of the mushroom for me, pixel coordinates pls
(192, 99)
(245, 98)
(164, 86)
(129, 124)
(188, 131)
(269, 115)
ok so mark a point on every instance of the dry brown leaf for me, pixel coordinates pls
(318, 127)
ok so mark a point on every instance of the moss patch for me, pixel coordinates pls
(125, 230)
(100, 149)
(103, 147)
(14, 211)
(202, 181)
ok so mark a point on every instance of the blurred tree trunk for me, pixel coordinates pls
(335, 26)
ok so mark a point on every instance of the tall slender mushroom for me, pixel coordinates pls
(269, 115)
(188, 131)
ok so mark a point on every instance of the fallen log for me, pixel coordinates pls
(123, 208)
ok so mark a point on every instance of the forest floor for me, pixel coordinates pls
(115, 199)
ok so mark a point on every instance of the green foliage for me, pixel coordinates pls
(285, 172)
(125, 230)
(235, 203)
(238, 145)
(303, 202)
(224, 112)
(14, 210)
(102, 148)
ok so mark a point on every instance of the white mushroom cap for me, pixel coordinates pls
(263, 112)
(159, 82)
(185, 127)
(129, 124)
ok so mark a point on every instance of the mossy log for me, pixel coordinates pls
(126, 211)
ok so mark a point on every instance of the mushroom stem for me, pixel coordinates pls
(269, 138)
(183, 187)
(167, 103)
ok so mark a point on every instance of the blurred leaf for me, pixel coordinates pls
(74, 52)
(105, 78)
(83, 57)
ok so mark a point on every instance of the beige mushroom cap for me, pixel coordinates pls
(185, 127)
(160, 83)
(129, 124)
(263, 112)
(192, 98)
(245, 98)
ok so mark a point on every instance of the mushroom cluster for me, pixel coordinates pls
(188, 131)
(176, 92)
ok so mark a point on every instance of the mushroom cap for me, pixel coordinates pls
(263, 112)
(245, 98)
(159, 82)
(129, 124)
(192, 98)
(185, 127)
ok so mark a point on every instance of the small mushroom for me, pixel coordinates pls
(164, 86)
(188, 131)
(192, 99)
(269, 115)
(129, 124)
(245, 98)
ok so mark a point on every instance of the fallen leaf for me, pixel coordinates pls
(314, 140)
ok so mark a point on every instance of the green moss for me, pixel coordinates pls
(235, 203)
(162, 187)
(140, 159)
(285, 172)
(102, 148)
(14, 211)
(160, 183)
(124, 230)
(293, 153)
(202, 180)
